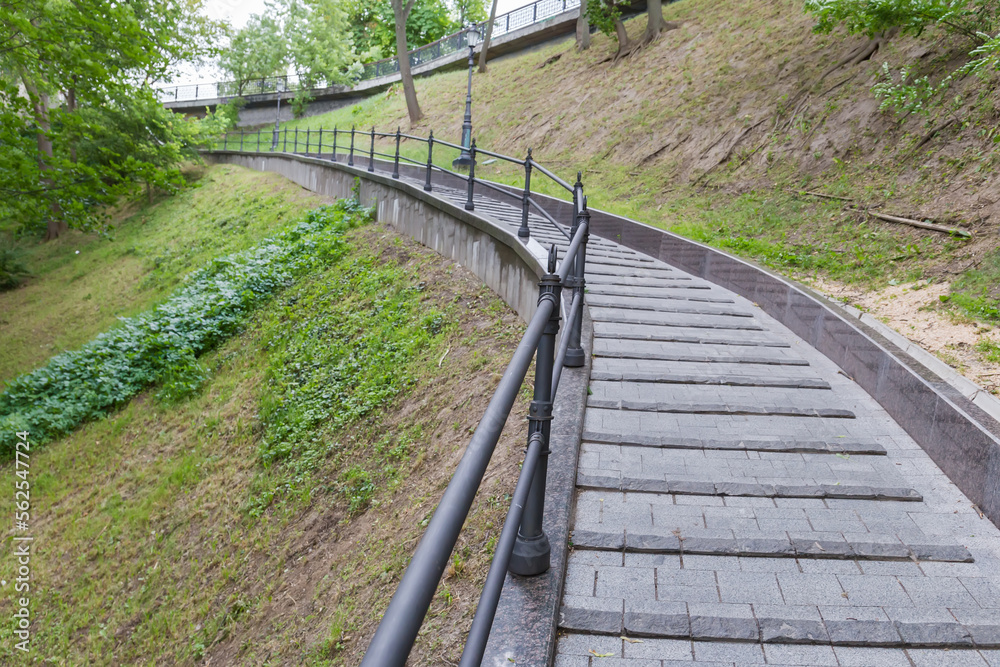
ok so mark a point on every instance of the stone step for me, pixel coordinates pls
(709, 379)
(642, 304)
(607, 479)
(707, 622)
(652, 293)
(719, 409)
(717, 398)
(655, 319)
(802, 470)
(719, 369)
(577, 650)
(681, 281)
(656, 350)
(693, 543)
(693, 336)
(788, 445)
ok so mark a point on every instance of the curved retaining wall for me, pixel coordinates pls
(492, 253)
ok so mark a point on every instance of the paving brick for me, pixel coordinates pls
(629, 583)
(600, 615)
(586, 645)
(800, 655)
(749, 587)
(938, 658)
(871, 590)
(749, 654)
(659, 649)
(810, 589)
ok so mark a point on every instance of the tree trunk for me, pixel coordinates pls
(70, 108)
(583, 29)
(40, 108)
(487, 38)
(403, 56)
(654, 20)
(622, 34)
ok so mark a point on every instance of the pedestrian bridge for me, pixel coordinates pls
(740, 473)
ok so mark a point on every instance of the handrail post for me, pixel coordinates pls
(225, 141)
(523, 232)
(295, 147)
(350, 156)
(334, 143)
(395, 164)
(371, 153)
(575, 355)
(258, 139)
(308, 139)
(321, 142)
(469, 205)
(284, 140)
(430, 150)
(241, 139)
(532, 551)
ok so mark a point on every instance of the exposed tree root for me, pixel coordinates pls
(930, 135)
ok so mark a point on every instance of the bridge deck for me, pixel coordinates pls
(740, 501)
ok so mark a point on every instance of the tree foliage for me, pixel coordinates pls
(79, 121)
(975, 21)
(870, 17)
(256, 51)
(373, 23)
(308, 37)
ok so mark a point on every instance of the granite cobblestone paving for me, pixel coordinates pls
(741, 502)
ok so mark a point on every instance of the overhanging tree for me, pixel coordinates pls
(877, 21)
(63, 66)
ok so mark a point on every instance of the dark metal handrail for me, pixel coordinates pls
(515, 19)
(523, 547)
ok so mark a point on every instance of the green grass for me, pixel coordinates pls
(82, 284)
(989, 349)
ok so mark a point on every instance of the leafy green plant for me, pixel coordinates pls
(160, 345)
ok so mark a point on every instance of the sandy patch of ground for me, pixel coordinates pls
(914, 310)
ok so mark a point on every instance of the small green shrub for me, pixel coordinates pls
(12, 268)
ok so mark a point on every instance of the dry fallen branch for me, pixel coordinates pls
(891, 218)
(820, 194)
(914, 223)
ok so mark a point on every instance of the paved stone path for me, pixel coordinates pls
(740, 501)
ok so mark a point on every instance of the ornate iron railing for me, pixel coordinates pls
(522, 547)
(521, 17)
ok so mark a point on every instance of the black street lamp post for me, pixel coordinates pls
(465, 159)
(279, 85)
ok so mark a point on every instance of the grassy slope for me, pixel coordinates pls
(706, 133)
(82, 283)
(146, 552)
